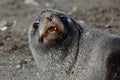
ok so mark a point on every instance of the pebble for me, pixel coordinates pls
(14, 23)
(18, 66)
(1, 66)
(3, 28)
(47, 4)
(23, 67)
(81, 21)
(10, 66)
(74, 9)
(31, 2)
(108, 26)
(37, 73)
(19, 71)
(18, 61)
(4, 24)
(21, 62)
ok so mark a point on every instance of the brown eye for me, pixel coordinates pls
(35, 25)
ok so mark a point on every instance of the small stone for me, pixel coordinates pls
(18, 66)
(19, 71)
(18, 61)
(4, 24)
(1, 66)
(31, 2)
(14, 23)
(70, 13)
(47, 4)
(81, 21)
(108, 26)
(74, 9)
(72, 72)
(23, 62)
(26, 60)
(3, 28)
(10, 66)
(23, 67)
(37, 73)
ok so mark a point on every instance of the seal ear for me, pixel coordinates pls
(73, 23)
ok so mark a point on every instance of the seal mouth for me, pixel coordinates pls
(52, 29)
(50, 33)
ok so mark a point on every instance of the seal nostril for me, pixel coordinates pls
(35, 25)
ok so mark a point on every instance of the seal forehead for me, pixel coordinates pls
(48, 13)
(50, 16)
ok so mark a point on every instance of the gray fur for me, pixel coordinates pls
(83, 55)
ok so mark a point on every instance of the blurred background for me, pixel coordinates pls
(16, 61)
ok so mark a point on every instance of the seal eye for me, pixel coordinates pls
(62, 17)
(35, 25)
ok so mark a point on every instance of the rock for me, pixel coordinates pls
(22, 62)
(74, 9)
(108, 26)
(18, 66)
(81, 21)
(14, 23)
(4, 24)
(10, 66)
(3, 28)
(47, 4)
(37, 73)
(31, 2)
(1, 66)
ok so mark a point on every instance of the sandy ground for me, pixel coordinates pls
(16, 61)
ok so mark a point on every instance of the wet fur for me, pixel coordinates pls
(77, 53)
